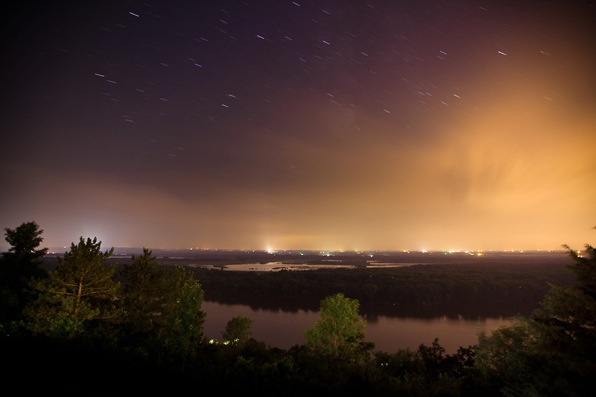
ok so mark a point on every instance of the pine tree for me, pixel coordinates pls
(18, 267)
(142, 293)
(80, 296)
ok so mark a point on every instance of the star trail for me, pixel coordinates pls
(326, 125)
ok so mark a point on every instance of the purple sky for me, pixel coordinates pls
(330, 125)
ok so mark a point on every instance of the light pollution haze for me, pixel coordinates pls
(334, 125)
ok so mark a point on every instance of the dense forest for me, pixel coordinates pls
(92, 325)
(432, 285)
(429, 290)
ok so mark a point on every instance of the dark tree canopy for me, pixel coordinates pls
(552, 351)
(18, 267)
(150, 333)
(238, 330)
(162, 307)
(143, 292)
(25, 239)
(339, 331)
(79, 295)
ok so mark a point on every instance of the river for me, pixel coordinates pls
(285, 329)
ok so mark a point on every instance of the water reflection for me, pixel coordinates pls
(278, 328)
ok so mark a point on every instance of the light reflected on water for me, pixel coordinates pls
(393, 333)
(286, 329)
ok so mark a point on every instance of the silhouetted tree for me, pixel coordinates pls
(25, 239)
(553, 351)
(564, 329)
(18, 267)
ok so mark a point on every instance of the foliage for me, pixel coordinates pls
(142, 294)
(180, 323)
(565, 331)
(18, 267)
(552, 351)
(504, 359)
(429, 371)
(147, 337)
(238, 330)
(25, 239)
(485, 287)
(161, 308)
(339, 330)
(80, 295)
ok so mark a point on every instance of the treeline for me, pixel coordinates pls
(93, 328)
(488, 289)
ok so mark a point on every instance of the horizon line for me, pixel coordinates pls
(321, 251)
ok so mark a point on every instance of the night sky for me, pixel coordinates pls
(325, 125)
